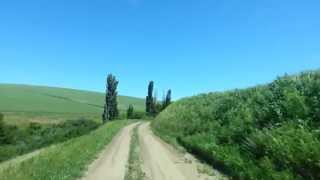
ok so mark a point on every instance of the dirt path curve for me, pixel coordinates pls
(163, 162)
(111, 163)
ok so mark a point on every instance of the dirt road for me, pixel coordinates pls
(160, 161)
(111, 163)
(163, 162)
(156, 159)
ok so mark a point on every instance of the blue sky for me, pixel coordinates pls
(191, 46)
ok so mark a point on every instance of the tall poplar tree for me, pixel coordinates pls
(111, 111)
(167, 100)
(130, 112)
(150, 99)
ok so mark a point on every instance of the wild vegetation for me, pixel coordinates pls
(16, 141)
(264, 132)
(2, 129)
(65, 161)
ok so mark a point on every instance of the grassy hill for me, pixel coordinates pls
(21, 103)
(264, 132)
(24, 98)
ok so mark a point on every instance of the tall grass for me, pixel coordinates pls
(264, 132)
(66, 161)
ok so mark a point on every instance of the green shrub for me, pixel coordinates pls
(2, 133)
(20, 141)
(264, 132)
(138, 115)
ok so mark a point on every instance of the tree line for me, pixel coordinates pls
(153, 106)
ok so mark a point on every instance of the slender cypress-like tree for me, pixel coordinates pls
(154, 108)
(149, 98)
(110, 108)
(167, 100)
(130, 112)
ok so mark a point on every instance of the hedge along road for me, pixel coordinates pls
(159, 160)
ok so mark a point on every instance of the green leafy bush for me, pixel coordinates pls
(263, 132)
(2, 133)
(21, 141)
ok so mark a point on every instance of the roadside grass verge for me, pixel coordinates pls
(134, 170)
(65, 161)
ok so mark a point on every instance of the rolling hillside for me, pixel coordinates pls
(25, 98)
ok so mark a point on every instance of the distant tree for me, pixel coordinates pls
(130, 112)
(2, 133)
(150, 99)
(167, 100)
(156, 106)
(153, 107)
(110, 108)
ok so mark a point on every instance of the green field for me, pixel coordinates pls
(24, 98)
(23, 103)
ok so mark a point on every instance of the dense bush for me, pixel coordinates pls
(7, 133)
(21, 141)
(2, 135)
(138, 115)
(264, 132)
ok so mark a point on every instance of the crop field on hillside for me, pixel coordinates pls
(24, 98)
